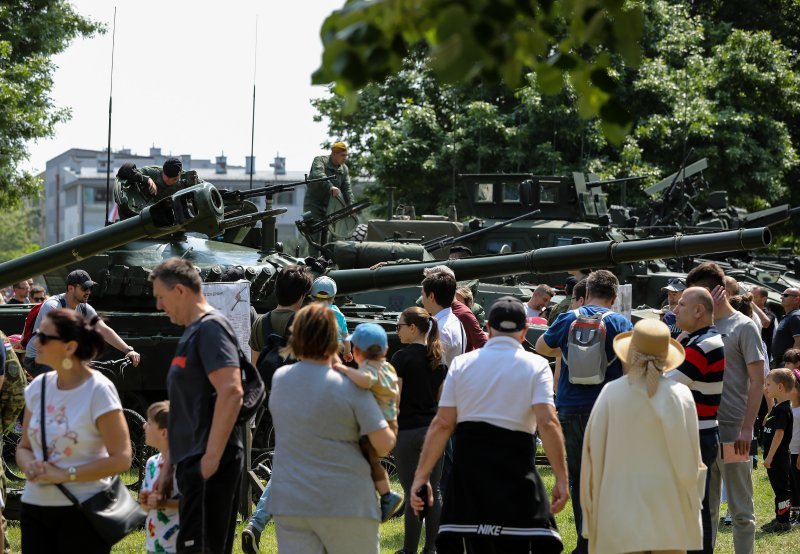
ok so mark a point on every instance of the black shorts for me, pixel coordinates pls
(208, 508)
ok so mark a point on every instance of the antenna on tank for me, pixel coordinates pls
(110, 96)
(253, 120)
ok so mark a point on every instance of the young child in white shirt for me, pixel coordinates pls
(161, 526)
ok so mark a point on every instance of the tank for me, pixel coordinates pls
(575, 210)
(200, 224)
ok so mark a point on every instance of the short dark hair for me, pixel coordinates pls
(602, 284)
(707, 275)
(760, 291)
(291, 284)
(158, 412)
(443, 287)
(579, 290)
(792, 356)
(176, 271)
(36, 288)
(70, 325)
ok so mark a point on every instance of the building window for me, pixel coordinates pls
(92, 195)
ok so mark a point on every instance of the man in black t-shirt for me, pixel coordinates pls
(204, 385)
(777, 433)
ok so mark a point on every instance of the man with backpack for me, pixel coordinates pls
(583, 337)
(206, 393)
(79, 287)
(268, 336)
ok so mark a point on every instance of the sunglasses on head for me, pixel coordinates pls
(43, 338)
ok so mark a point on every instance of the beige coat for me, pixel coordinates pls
(642, 478)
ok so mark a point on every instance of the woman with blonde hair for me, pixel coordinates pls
(642, 478)
(322, 497)
(421, 372)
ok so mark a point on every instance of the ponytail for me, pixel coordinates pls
(425, 323)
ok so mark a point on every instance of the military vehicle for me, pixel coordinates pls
(574, 210)
(198, 224)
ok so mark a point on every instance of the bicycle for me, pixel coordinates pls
(133, 478)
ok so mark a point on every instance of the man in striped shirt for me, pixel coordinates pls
(702, 372)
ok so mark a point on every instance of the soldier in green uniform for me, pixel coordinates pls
(136, 188)
(324, 198)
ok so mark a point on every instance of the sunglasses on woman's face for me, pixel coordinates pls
(43, 339)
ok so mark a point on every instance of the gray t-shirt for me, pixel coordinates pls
(204, 348)
(743, 345)
(318, 469)
(54, 303)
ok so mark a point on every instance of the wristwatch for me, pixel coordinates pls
(130, 349)
(73, 473)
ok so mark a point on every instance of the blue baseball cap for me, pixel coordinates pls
(323, 287)
(369, 334)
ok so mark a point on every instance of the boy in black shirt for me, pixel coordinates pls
(777, 433)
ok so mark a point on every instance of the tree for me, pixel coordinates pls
(31, 33)
(731, 97)
(20, 229)
(492, 40)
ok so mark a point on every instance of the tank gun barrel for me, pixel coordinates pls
(553, 259)
(438, 244)
(769, 216)
(197, 208)
(269, 190)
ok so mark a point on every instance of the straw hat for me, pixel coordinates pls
(651, 340)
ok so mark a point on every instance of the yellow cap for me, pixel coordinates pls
(339, 146)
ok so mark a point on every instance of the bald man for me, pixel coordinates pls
(788, 333)
(702, 372)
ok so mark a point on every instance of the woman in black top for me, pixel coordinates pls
(421, 373)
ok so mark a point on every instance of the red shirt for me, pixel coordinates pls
(476, 338)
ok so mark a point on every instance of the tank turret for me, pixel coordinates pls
(198, 224)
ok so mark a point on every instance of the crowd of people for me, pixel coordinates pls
(641, 425)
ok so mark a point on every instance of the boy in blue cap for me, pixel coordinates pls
(323, 289)
(370, 344)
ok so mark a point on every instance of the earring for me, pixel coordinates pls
(66, 364)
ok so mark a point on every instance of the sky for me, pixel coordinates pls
(183, 80)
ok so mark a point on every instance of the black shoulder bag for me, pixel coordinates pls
(113, 512)
(253, 386)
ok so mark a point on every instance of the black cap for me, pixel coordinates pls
(507, 315)
(172, 167)
(80, 277)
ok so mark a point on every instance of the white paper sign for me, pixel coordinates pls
(623, 303)
(233, 300)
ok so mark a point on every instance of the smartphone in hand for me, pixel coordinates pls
(422, 493)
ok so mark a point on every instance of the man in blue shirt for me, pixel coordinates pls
(573, 401)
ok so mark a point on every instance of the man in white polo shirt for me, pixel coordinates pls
(494, 399)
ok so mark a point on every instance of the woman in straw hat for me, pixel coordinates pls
(642, 478)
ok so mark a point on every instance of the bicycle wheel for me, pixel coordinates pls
(262, 467)
(140, 452)
(10, 441)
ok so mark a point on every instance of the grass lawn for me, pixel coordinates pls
(392, 532)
